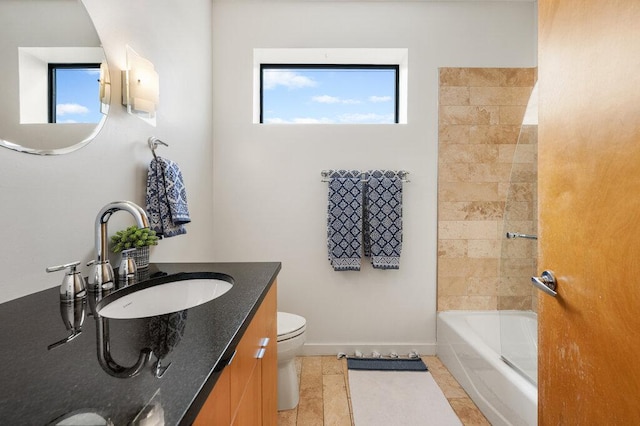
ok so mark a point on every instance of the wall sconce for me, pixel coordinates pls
(104, 88)
(140, 87)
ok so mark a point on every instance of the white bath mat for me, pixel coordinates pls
(398, 398)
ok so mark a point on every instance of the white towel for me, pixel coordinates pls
(166, 198)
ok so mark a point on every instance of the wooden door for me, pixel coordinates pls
(216, 411)
(269, 363)
(589, 204)
(250, 405)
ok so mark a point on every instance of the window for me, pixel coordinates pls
(326, 93)
(73, 93)
(342, 103)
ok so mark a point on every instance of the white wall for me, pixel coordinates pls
(269, 203)
(49, 204)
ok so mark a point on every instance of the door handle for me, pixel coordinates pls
(547, 283)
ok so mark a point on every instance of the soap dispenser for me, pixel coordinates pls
(127, 270)
(73, 286)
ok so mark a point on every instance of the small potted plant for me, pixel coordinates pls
(138, 238)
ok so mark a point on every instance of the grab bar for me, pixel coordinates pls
(511, 235)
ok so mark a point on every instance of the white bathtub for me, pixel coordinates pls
(469, 346)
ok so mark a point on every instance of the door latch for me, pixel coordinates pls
(547, 283)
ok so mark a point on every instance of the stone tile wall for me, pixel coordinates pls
(480, 117)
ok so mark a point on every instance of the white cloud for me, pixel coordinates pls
(275, 120)
(377, 99)
(367, 118)
(63, 109)
(288, 79)
(326, 99)
(299, 120)
(308, 120)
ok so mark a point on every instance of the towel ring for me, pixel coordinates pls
(153, 144)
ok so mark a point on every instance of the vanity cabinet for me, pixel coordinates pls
(246, 391)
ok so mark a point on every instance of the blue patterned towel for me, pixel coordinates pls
(383, 215)
(166, 198)
(344, 220)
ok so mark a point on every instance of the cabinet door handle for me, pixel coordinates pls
(261, 353)
(264, 342)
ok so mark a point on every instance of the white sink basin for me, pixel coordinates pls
(163, 297)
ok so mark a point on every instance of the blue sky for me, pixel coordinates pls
(337, 95)
(77, 99)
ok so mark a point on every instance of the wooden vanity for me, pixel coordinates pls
(246, 391)
(221, 370)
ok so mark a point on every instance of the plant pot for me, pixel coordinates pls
(141, 257)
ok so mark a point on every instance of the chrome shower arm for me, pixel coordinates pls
(511, 235)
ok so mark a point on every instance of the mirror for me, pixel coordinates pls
(34, 34)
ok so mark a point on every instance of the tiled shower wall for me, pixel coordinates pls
(480, 116)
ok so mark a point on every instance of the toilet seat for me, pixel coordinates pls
(290, 326)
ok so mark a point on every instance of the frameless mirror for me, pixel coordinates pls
(54, 81)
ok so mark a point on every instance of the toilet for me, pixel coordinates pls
(291, 337)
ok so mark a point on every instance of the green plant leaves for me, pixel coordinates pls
(133, 237)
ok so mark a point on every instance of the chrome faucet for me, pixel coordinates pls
(101, 282)
(102, 277)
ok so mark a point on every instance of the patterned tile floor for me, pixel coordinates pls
(325, 401)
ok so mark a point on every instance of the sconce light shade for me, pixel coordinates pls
(104, 88)
(140, 87)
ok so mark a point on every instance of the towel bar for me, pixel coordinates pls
(326, 173)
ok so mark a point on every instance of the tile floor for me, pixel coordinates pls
(325, 401)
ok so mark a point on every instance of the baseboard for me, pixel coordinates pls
(317, 349)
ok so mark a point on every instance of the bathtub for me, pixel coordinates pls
(469, 346)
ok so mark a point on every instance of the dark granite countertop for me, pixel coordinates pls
(39, 386)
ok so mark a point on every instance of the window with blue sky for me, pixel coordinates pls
(75, 94)
(329, 94)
